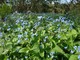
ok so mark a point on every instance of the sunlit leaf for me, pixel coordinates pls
(35, 48)
(42, 54)
(5, 51)
(1, 50)
(59, 50)
(73, 57)
(24, 50)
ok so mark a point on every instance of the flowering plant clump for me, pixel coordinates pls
(5, 9)
(38, 38)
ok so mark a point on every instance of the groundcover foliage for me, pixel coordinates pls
(29, 37)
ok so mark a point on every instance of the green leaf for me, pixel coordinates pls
(17, 48)
(59, 50)
(6, 58)
(42, 54)
(24, 50)
(36, 48)
(77, 43)
(50, 28)
(73, 57)
(62, 36)
(74, 32)
(36, 58)
(48, 59)
(5, 52)
(1, 50)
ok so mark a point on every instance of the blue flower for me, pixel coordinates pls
(72, 51)
(18, 41)
(26, 38)
(40, 17)
(44, 40)
(79, 57)
(46, 37)
(62, 20)
(26, 33)
(8, 29)
(57, 20)
(1, 34)
(65, 47)
(19, 36)
(58, 36)
(75, 47)
(52, 54)
(78, 48)
(26, 57)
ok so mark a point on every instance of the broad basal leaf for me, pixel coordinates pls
(59, 50)
(36, 48)
(1, 50)
(24, 50)
(73, 57)
(42, 54)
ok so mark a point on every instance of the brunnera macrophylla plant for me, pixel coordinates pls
(5, 9)
(38, 38)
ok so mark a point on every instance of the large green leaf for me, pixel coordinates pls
(24, 50)
(74, 32)
(59, 50)
(35, 48)
(42, 54)
(1, 50)
(73, 57)
(5, 51)
(36, 58)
